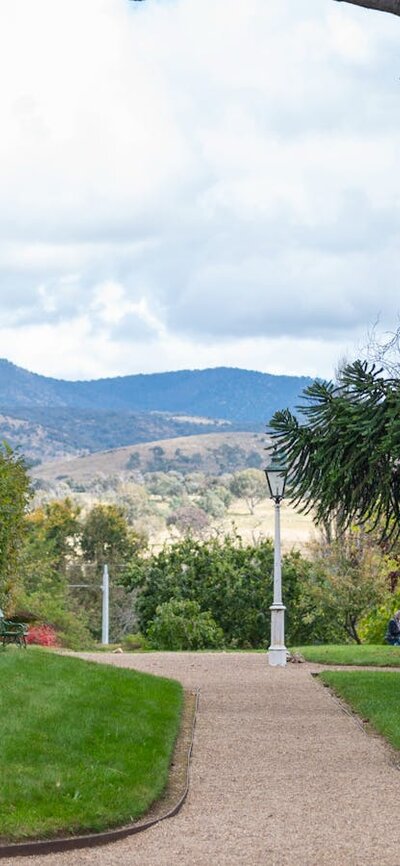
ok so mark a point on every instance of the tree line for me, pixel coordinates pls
(192, 593)
(343, 456)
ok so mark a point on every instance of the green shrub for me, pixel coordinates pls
(50, 608)
(373, 626)
(181, 625)
(231, 580)
(134, 642)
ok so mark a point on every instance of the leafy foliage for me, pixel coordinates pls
(60, 571)
(180, 624)
(213, 502)
(373, 625)
(42, 635)
(231, 580)
(189, 520)
(106, 536)
(135, 642)
(14, 498)
(347, 580)
(50, 537)
(344, 460)
(249, 485)
(47, 566)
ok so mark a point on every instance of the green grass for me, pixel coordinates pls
(83, 746)
(374, 695)
(353, 654)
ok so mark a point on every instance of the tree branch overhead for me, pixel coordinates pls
(392, 6)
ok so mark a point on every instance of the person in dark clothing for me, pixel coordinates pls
(393, 630)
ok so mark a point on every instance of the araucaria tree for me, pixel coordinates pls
(344, 452)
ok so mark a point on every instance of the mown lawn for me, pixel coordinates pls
(353, 654)
(374, 695)
(82, 746)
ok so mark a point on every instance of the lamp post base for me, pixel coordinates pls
(277, 652)
(277, 656)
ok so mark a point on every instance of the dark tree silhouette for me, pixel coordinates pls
(392, 6)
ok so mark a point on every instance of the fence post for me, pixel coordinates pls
(105, 611)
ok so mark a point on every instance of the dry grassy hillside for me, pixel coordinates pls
(122, 460)
(17, 432)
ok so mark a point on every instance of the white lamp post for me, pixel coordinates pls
(105, 588)
(276, 476)
(105, 607)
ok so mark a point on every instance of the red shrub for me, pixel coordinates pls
(44, 635)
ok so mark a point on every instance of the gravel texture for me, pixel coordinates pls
(280, 775)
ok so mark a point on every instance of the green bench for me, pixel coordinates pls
(13, 632)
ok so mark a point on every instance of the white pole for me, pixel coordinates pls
(277, 653)
(105, 611)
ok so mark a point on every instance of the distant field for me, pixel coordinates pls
(297, 530)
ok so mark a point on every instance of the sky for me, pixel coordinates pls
(196, 183)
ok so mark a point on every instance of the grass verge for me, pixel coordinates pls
(374, 695)
(83, 747)
(352, 654)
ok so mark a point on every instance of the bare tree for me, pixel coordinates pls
(384, 350)
(392, 6)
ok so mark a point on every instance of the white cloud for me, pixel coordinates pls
(75, 347)
(195, 182)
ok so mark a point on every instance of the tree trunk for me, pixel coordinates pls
(392, 6)
(351, 628)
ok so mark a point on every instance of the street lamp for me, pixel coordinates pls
(276, 476)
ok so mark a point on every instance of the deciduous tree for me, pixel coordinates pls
(106, 537)
(349, 579)
(14, 497)
(249, 485)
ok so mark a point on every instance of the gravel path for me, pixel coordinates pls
(280, 775)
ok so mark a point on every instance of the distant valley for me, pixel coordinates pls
(52, 419)
(164, 486)
(170, 449)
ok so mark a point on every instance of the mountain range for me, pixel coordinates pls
(51, 418)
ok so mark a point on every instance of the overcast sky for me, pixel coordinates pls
(195, 183)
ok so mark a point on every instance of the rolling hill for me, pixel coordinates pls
(50, 418)
(52, 434)
(211, 453)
